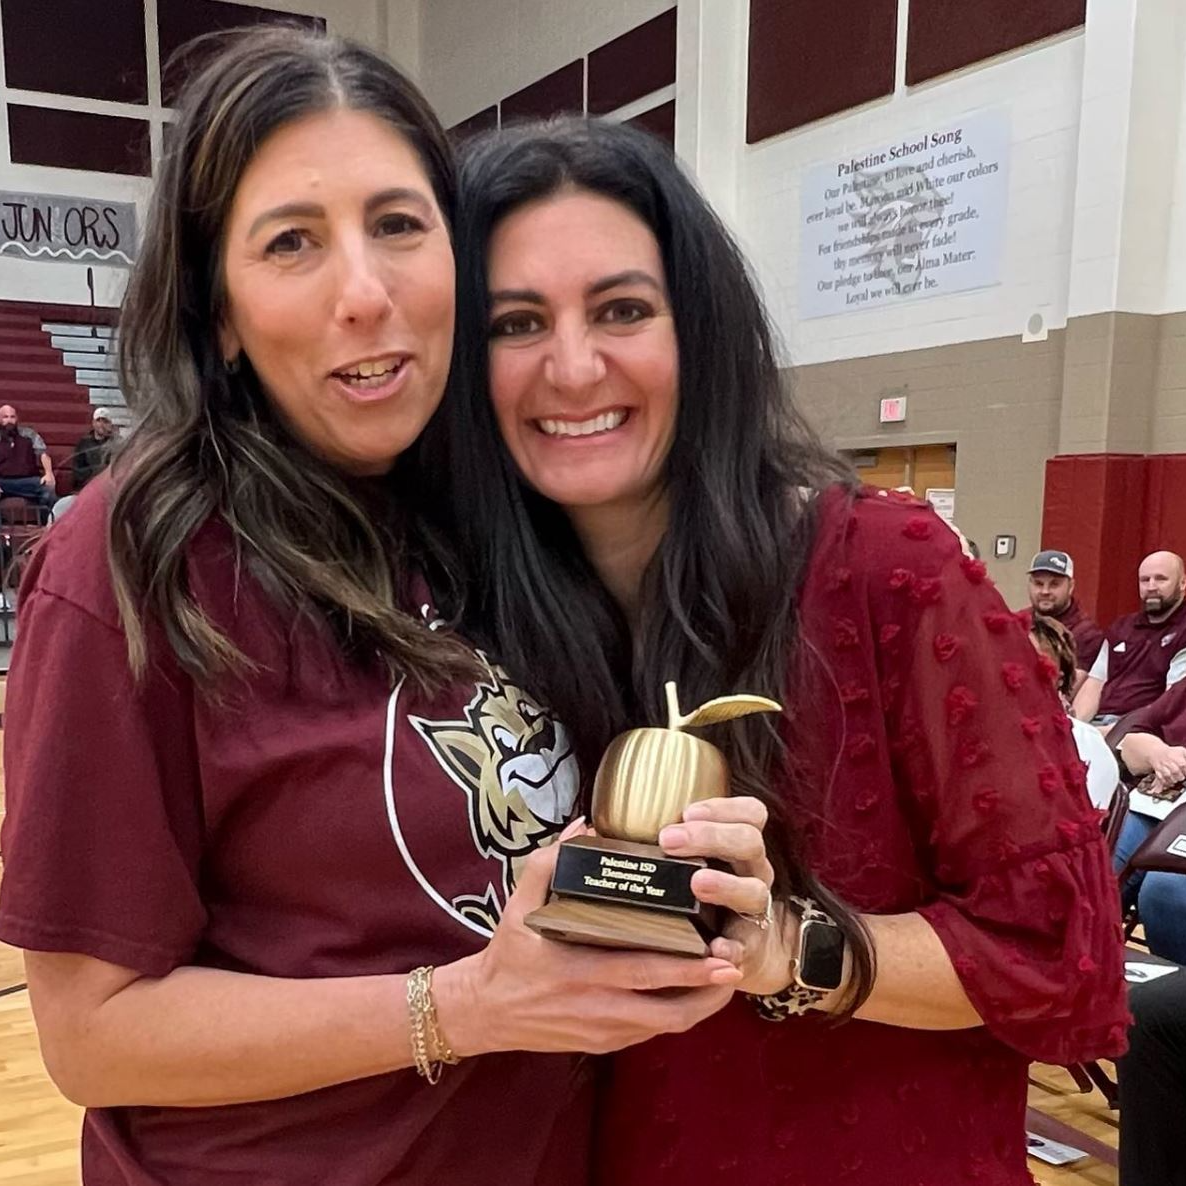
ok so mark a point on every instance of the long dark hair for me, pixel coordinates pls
(207, 441)
(718, 609)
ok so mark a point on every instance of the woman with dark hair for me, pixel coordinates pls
(254, 794)
(641, 503)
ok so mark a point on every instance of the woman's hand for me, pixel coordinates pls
(730, 830)
(1169, 764)
(524, 992)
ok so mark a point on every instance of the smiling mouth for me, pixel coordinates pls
(364, 376)
(595, 426)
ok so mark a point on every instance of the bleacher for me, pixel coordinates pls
(58, 363)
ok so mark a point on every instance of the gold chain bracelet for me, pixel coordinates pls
(429, 1049)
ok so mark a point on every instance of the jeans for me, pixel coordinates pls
(1160, 898)
(30, 488)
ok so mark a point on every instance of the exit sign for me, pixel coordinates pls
(893, 410)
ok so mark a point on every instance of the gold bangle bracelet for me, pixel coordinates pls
(430, 1052)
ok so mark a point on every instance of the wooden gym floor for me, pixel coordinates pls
(39, 1129)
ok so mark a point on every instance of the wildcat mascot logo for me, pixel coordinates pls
(514, 762)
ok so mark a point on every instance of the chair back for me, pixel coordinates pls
(1114, 819)
(19, 512)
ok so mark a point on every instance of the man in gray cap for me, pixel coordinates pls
(93, 451)
(1052, 594)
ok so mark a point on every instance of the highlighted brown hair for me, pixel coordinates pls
(207, 442)
(1057, 643)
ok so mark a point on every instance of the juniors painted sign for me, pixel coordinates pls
(67, 230)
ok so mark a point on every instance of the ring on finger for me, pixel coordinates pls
(765, 918)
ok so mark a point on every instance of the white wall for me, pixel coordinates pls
(400, 29)
(473, 54)
(359, 19)
(1040, 89)
(1172, 142)
(1128, 186)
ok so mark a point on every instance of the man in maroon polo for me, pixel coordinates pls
(1052, 594)
(1146, 651)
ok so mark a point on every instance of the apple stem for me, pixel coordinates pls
(675, 719)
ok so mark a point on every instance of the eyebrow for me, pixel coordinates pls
(620, 279)
(384, 197)
(529, 296)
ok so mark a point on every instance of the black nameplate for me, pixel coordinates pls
(604, 874)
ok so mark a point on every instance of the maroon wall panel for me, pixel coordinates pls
(636, 64)
(485, 120)
(659, 121)
(562, 91)
(78, 140)
(1165, 505)
(1109, 511)
(77, 47)
(813, 58)
(946, 35)
(1094, 509)
(180, 21)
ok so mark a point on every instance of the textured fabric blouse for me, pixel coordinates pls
(941, 778)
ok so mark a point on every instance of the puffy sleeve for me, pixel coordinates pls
(1021, 891)
(103, 832)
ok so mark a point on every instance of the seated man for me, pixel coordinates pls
(93, 451)
(1052, 594)
(1146, 651)
(25, 467)
(1155, 747)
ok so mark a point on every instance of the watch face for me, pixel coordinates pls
(821, 963)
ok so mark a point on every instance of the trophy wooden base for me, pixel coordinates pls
(619, 893)
(602, 924)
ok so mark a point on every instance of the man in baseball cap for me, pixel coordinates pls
(1052, 594)
(93, 451)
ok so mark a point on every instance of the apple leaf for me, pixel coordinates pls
(728, 708)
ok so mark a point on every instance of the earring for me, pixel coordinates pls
(231, 365)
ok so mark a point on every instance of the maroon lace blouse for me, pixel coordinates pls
(943, 779)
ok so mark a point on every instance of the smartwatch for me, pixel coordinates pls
(817, 967)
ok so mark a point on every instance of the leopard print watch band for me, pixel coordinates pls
(796, 999)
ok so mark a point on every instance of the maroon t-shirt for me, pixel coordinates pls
(317, 823)
(1139, 657)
